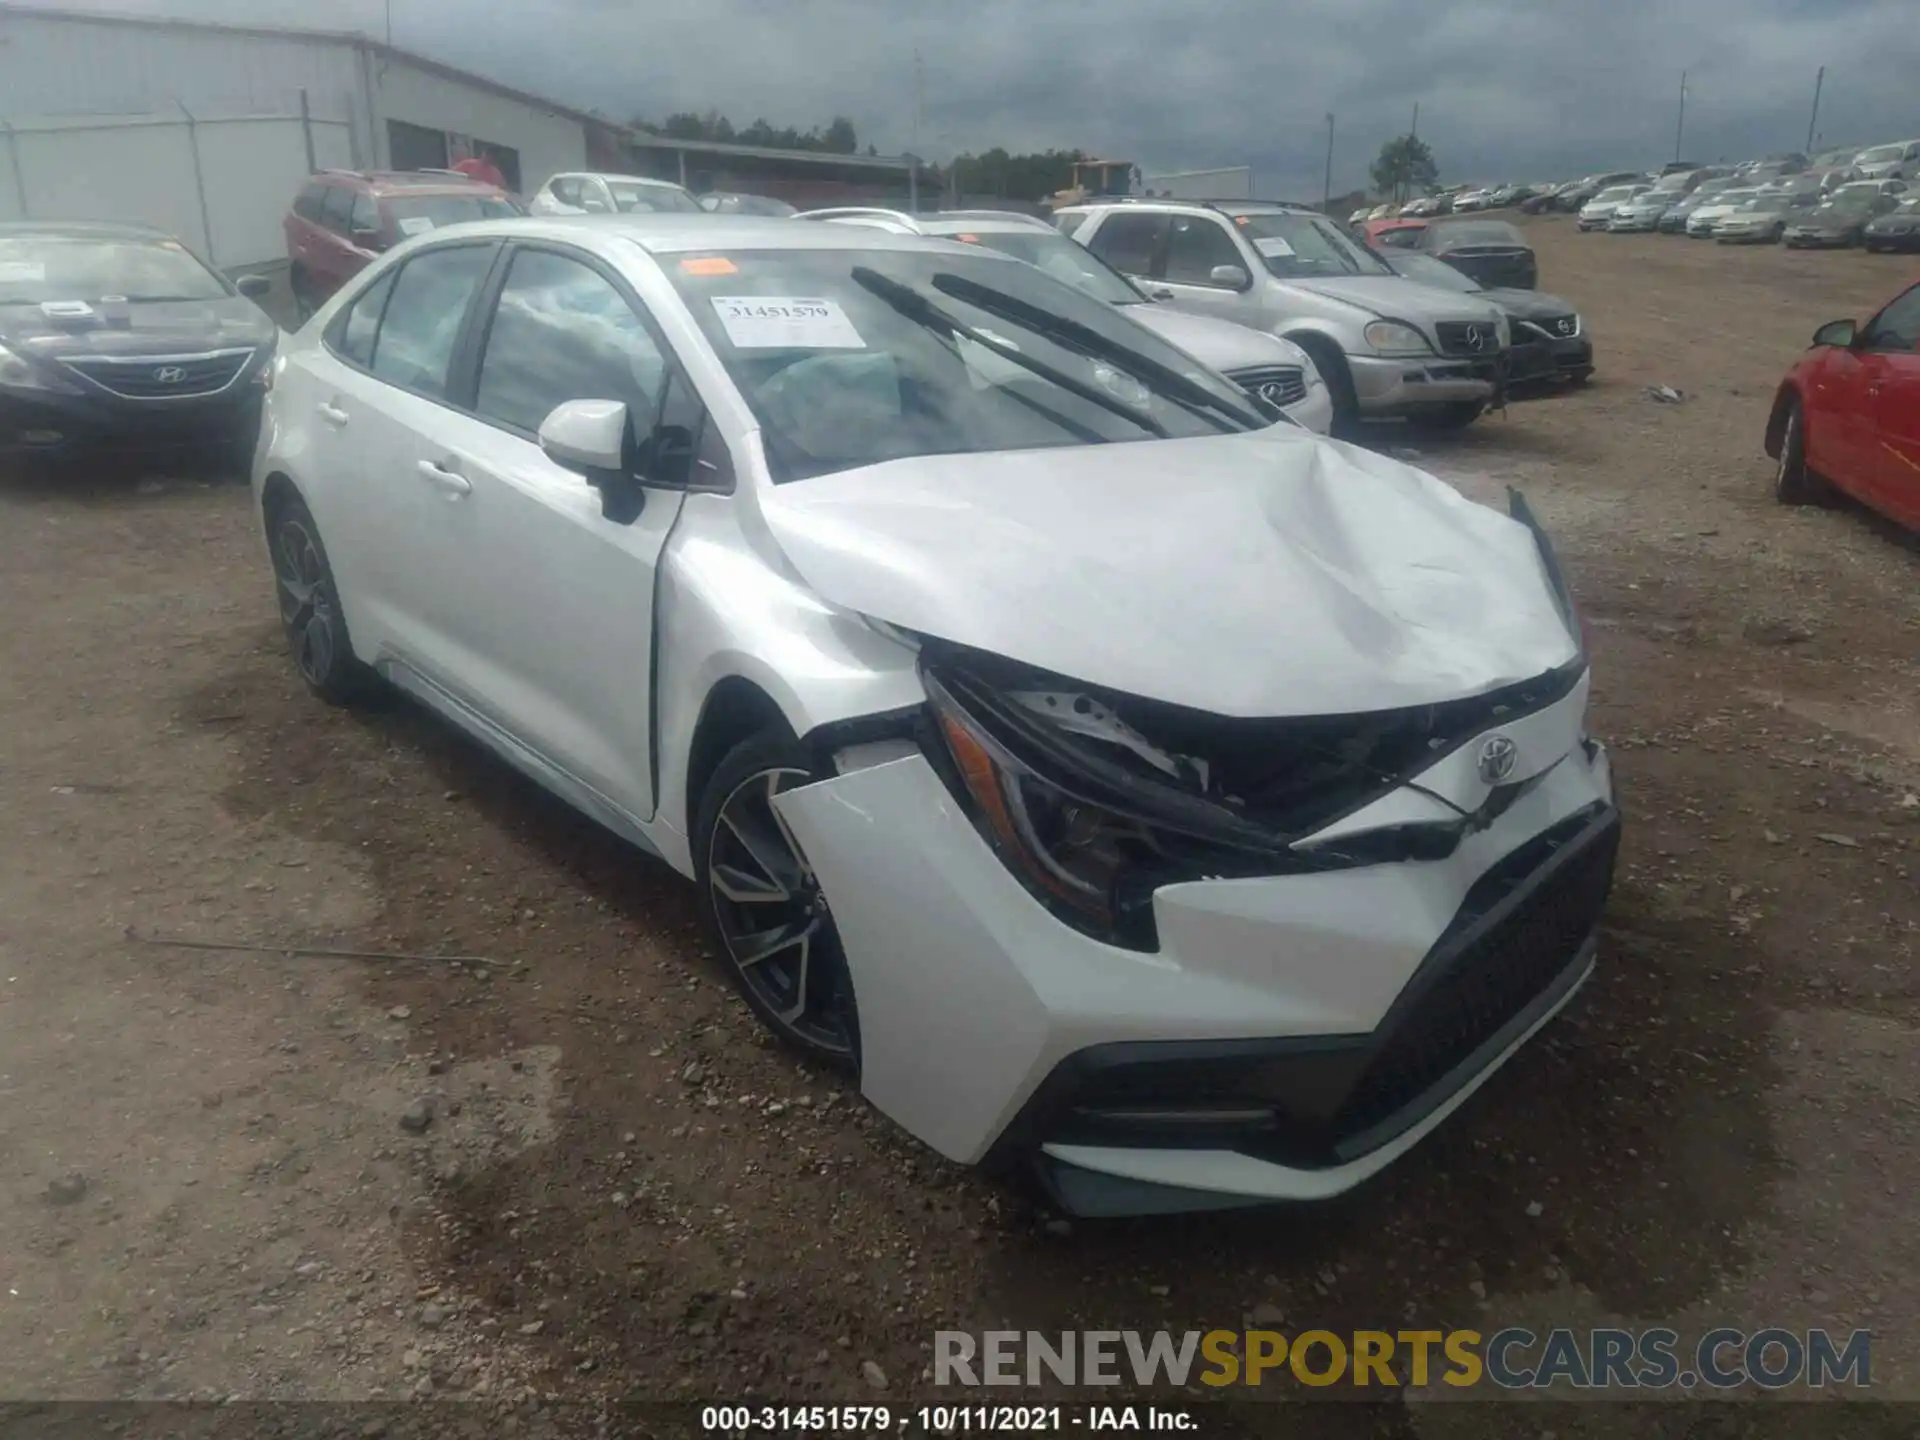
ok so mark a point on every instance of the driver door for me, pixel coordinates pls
(547, 609)
(1890, 366)
(1197, 245)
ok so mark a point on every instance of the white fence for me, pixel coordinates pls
(1235, 182)
(222, 184)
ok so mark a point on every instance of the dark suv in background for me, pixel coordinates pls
(342, 219)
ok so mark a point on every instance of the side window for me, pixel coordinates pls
(422, 322)
(1898, 326)
(594, 198)
(1129, 242)
(566, 189)
(353, 333)
(562, 332)
(1197, 245)
(339, 205)
(366, 213)
(307, 204)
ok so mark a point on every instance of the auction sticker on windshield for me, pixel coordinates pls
(1273, 247)
(786, 322)
(414, 224)
(22, 272)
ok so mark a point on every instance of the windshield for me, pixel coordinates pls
(747, 205)
(1857, 194)
(1880, 153)
(37, 268)
(417, 214)
(1305, 247)
(1908, 206)
(855, 357)
(1425, 270)
(1061, 258)
(630, 197)
(1734, 199)
(1844, 204)
(1616, 194)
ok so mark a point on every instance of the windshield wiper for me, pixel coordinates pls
(922, 311)
(1087, 341)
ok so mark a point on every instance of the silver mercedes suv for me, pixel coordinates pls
(1387, 347)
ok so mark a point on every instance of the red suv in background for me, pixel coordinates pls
(344, 218)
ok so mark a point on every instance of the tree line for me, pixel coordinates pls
(1404, 167)
(1030, 177)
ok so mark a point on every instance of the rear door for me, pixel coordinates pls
(382, 379)
(1890, 360)
(1132, 243)
(545, 615)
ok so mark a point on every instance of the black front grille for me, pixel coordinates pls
(1467, 337)
(1499, 954)
(1281, 385)
(163, 377)
(1561, 327)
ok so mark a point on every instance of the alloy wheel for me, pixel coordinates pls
(774, 917)
(306, 601)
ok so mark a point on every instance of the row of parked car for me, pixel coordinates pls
(120, 340)
(1848, 197)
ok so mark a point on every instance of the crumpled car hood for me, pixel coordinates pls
(1261, 575)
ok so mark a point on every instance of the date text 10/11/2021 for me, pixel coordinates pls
(943, 1419)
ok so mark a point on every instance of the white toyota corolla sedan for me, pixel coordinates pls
(1122, 782)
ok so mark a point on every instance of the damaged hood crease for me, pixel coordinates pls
(1262, 575)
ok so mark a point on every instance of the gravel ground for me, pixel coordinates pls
(572, 1167)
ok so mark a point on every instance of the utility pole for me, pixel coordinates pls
(1819, 79)
(1680, 127)
(1326, 190)
(1415, 131)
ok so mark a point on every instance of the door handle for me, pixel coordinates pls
(1162, 293)
(1873, 389)
(333, 415)
(455, 485)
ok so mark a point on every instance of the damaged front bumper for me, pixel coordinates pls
(1288, 1034)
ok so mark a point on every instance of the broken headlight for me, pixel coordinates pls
(1090, 840)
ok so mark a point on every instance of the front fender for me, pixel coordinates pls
(728, 609)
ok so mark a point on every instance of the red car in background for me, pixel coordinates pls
(1848, 414)
(1399, 232)
(343, 219)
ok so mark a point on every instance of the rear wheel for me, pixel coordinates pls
(766, 906)
(1793, 482)
(310, 610)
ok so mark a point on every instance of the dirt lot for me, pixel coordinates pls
(205, 1185)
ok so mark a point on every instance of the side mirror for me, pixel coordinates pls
(589, 437)
(254, 286)
(1837, 333)
(1231, 276)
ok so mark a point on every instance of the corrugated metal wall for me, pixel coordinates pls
(54, 68)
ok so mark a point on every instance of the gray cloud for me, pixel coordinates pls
(1507, 88)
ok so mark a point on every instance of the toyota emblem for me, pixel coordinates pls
(169, 374)
(1475, 340)
(1498, 755)
(1274, 393)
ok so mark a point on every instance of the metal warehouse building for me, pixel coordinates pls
(207, 130)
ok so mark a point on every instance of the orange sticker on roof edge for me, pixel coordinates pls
(709, 265)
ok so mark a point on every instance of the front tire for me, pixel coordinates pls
(310, 610)
(1793, 482)
(765, 906)
(1452, 417)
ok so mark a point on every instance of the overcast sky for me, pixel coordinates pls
(1508, 89)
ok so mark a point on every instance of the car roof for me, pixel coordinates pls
(674, 234)
(83, 229)
(403, 182)
(617, 175)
